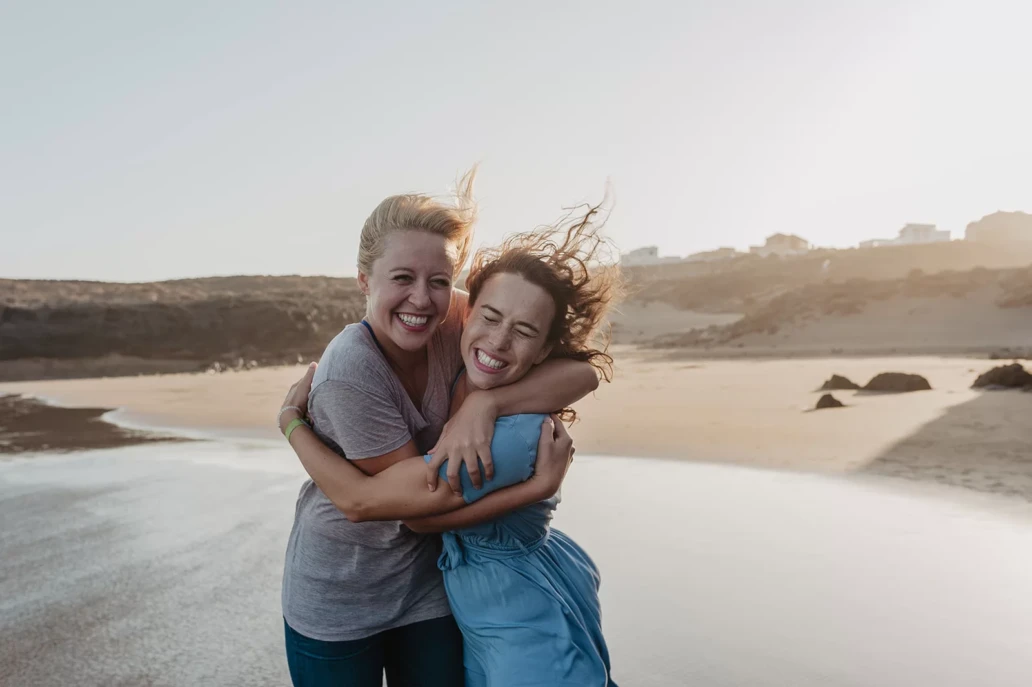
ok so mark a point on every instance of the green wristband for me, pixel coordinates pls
(294, 424)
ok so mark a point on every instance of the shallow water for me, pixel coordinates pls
(161, 565)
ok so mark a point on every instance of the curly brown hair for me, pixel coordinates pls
(571, 261)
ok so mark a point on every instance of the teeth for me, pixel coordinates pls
(485, 359)
(414, 320)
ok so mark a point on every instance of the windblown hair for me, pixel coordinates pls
(418, 212)
(572, 262)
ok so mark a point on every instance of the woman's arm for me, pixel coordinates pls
(398, 493)
(389, 487)
(397, 490)
(488, 508)
(549, 386)
(552, 385)
(395, 493)
(555, 453)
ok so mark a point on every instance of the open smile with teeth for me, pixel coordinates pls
(415, 321)
(487, 361)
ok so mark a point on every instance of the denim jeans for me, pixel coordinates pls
(424, 654)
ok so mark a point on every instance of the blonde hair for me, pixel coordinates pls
(419, 212)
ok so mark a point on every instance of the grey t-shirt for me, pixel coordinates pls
(344, 580)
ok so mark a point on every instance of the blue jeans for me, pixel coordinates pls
(424, 654)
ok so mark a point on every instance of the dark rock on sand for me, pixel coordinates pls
(839, 383)
(897, 382)
(1013, 376)
(829, 401)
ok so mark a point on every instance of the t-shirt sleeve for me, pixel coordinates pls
(363, 421)
(513, 450)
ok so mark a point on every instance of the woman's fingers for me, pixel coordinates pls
(555, 450)
(436, 461)
(562, 437)
(484, 454)
(297, 397)
(547, 437)
(298, 394)
(454, 466)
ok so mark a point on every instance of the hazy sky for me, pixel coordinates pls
(152, 140)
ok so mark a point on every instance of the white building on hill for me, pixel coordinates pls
(649, 255)
(781, 245)
(910, 235)
(717, 255)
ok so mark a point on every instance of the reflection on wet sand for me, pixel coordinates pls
(161, 565)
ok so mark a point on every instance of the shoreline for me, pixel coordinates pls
(753, 412)
(32, 370)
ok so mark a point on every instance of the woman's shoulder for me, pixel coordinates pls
(352, 356)
(525, 428)
(451, 328)
(448, 337)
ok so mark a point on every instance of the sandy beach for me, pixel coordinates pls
(746, 412)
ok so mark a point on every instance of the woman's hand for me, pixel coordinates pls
(297, 399)
(464, 439)
(554, 456)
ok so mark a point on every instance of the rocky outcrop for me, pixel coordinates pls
(839, 383)
(1013, 376)
(897, 382)
(237, 321)
(828, 401)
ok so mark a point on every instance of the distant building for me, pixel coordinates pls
(781, 245)
(1001, 227)
(876, 243)
(649, 255)
(713, 255)
(921, 233)
(909, 235)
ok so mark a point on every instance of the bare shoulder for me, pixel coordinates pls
(459, 301)
(457, 309)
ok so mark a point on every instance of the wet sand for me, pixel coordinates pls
(161, 565)
(29, 425)
(136, 566)
(745, 412)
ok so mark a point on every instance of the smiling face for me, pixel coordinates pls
(506, 331)
(409, 288)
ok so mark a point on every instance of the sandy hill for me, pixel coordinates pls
(973, 312)
(101, 328)
(836, 300)
(743, 283)
(963, 296)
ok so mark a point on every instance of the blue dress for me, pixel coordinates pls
(524, 595)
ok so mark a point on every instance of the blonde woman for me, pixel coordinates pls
(361, 599)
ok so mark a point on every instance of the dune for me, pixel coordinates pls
(973, 313)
